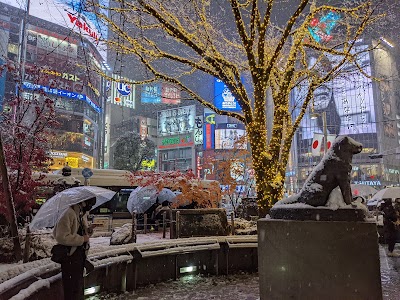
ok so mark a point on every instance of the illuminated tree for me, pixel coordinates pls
(131, 151)
(259, 59)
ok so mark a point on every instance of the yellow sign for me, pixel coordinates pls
(149, 164)
(74, 159)
(73, 162)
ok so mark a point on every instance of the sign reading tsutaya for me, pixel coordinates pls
(70, 14)
(176, 121)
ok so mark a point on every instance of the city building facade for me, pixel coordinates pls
(63, 45)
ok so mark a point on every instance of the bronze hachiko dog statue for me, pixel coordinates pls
(333, 170)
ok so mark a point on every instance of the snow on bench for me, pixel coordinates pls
(178, 247)
(27, 275)
(34, 287)
(242, 241)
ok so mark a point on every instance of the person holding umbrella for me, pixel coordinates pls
(72, 231)
(389, 228)
(66, 212)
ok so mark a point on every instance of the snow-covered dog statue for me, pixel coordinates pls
(333, 170)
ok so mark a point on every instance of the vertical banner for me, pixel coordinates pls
(198, 130)
(143, 127)
(209, 130)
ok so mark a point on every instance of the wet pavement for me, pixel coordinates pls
(390, 274)
(242, 286)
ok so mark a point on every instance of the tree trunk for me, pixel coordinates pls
(269, 181)
(9, 204)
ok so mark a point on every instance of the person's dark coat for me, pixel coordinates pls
(389, 218)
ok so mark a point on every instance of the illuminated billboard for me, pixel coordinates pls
(151, 93)
(60, 158)
(122, 93)
(348, 101)
(62, 93)
(228, 135)
(71, 14)
(170, 94)
(176, 120)
(209, 129)
(223, 98)
(160, 93)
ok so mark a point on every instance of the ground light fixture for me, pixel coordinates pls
(189, 269)
(92, 290)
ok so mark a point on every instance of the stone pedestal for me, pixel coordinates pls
(318, 260)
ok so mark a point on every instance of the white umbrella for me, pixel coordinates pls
(362, 190)
(53, 209)
(390, 192)
(142, 198)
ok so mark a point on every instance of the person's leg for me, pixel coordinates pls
(391, 241)
(68, 280)
(74, 283)
(78, 270)
(391, 244)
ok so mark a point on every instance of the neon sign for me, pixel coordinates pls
(61, 93)
(321, 29)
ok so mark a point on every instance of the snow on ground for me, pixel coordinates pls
(240, 286)
(195, 287)
(97, 245)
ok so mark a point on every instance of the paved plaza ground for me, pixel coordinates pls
(242, 286)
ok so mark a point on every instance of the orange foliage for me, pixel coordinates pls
(195, 193)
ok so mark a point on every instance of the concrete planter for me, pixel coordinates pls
(318, 260)
(200, 222)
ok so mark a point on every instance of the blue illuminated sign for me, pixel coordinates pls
(223, 98)
(151, 93)
(61, 93)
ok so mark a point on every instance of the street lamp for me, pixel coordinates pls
(314, 116)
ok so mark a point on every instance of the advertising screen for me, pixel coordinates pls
(70, 14)
(223, 98)
(227, 135)
(176, 121)
(348, 101)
